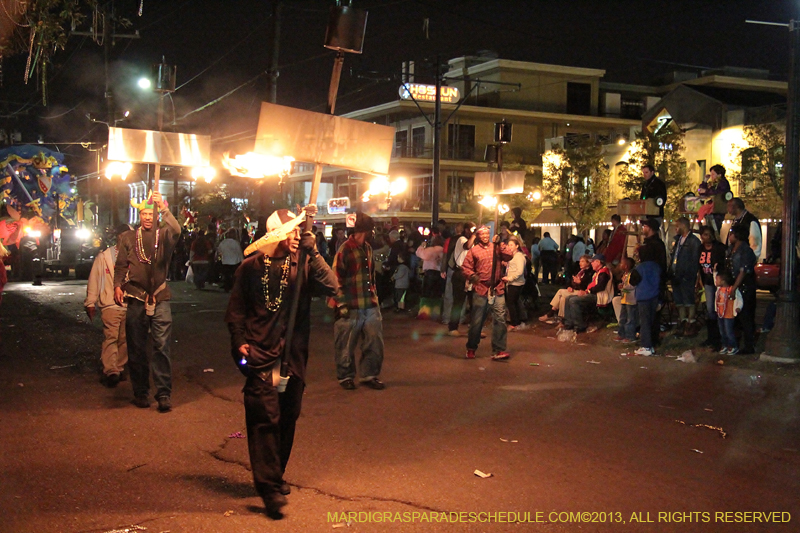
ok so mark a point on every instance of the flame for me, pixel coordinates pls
(206, 173)
(253, 165)
(380, 185)
(118, 168)
(489, 201)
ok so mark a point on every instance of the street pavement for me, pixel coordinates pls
(650, 444)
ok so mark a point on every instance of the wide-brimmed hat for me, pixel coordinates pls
(279, 225)
(364, 223)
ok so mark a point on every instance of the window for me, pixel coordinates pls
(460, 141)
(421, 191)
(418, 142)
(401, 143)
(631, 108)
(579, 98)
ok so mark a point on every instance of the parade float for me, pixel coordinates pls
(41, 216)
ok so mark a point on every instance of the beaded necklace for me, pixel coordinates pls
(140, 248)
(273, 305)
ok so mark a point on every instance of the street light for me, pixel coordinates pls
(144, 83)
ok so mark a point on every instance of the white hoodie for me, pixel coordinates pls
(100, 289)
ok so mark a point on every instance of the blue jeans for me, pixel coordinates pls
(628, 321)
(447, 302)
(138, 328)
(577, 309)
(727, 329)
(365, 325)
(480, 308)
(647, 320)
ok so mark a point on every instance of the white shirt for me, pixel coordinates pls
(460, 252)
(230, 251)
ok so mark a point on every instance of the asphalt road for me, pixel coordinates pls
(588, 430)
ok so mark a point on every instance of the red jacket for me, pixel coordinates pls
(616, 244)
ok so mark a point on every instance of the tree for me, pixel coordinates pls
(42, 28)
(664, 150)
(761, 163)
(576, 179)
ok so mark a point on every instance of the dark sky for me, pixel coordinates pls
(220, 45)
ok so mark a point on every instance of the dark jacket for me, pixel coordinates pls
(250, 322)
(685, 259)
(655, 188)
(139, 279)
(646, 277)
(653, 249)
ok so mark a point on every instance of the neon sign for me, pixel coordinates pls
(427, 93)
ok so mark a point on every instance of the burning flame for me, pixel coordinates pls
(205, 173)
(253, 165)
(488, 202)
(118, 168)
(381, 185)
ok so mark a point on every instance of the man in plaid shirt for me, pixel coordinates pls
(358, 315)
(477, 268)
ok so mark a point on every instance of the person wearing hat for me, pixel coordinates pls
(140, 280)
(599, 293)
(358, 314)
(481, 268)
(257, 317)
(100, 294)
(649, 280)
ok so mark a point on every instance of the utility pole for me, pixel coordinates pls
(437, 143)
(272, 89)
(108, 38)
(783, 343)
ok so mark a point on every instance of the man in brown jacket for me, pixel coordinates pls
(140, 280)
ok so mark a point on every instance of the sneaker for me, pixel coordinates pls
(724, 351)
(453, 333)
(470, 354)
(164, 404)
(522, 327)
(374, 383)
(501, 356)
(733, 351)
(142, 402)
(348, 384)
(646, 352)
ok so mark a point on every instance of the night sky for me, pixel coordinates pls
(220, 45)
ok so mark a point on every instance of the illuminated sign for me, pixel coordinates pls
(427, 93)
(338, 205)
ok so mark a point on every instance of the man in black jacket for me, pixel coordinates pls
(654, 188)
(257, 317)
(683, 268)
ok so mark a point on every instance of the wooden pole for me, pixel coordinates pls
(312, 200)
